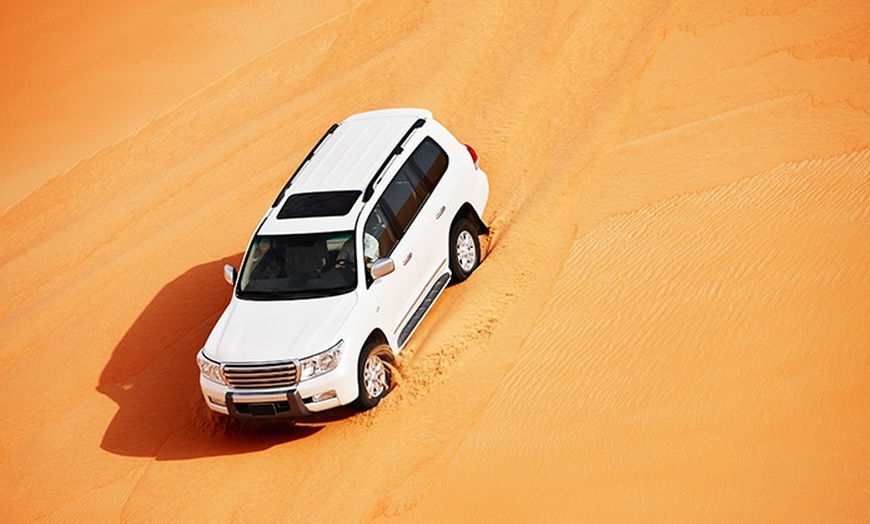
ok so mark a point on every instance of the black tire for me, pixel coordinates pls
(371, 388)
(464, 249)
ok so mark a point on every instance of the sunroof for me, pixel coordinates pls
(320, 204)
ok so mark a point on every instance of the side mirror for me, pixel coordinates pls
(383, 267)
(230, 274)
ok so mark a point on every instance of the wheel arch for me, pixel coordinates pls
(378, 337)
(468, 211)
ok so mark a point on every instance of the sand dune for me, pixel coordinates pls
(80, 76)
(669, 315)
(672, 321)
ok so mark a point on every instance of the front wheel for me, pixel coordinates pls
(373, 375)
(464, 249)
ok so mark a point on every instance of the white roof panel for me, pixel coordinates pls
(347, 159)
(352, 155)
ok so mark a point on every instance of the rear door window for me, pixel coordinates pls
(413, 174)
(402, 200)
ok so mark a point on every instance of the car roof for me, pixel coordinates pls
(347, 159)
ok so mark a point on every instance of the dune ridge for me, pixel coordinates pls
(79, 76)
(671, 322)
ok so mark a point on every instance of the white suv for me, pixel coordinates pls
(359, 244)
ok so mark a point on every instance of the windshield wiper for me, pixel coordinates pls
(294, 295)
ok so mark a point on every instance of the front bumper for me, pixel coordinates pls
(287, 404)
(297, 401)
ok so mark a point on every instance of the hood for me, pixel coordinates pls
(257, 331)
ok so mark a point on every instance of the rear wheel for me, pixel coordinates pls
(464, 249)
(373, 375)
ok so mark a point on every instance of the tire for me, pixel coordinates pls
(464, 249)
(373, 375)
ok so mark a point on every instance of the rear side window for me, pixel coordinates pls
(431, 161)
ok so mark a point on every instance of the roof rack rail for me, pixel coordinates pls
(331, 130)
(370, 188)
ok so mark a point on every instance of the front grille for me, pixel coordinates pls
(261, 376)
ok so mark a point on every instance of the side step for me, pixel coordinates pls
(424, 306)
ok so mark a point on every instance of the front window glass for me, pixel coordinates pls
(298, 266)
(379, 236)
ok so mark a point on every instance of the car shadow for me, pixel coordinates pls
(153, 378)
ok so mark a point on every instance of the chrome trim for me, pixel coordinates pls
(382, 267)
(230, 274)
(261, 375)
(252, 398)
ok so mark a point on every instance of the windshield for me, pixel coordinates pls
(298, 266)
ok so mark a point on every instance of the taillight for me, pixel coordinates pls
(473, 154)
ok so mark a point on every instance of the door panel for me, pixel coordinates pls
(398, 291)
(429, 234)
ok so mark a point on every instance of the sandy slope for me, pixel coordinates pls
(78, 76)
(673, 321)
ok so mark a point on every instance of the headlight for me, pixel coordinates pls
(209, 369)
(321, 363)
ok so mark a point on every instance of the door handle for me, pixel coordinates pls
(440, 212)
(407, 259)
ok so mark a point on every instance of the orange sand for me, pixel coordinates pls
(672, 323)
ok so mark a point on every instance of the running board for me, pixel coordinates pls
(424, 306)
